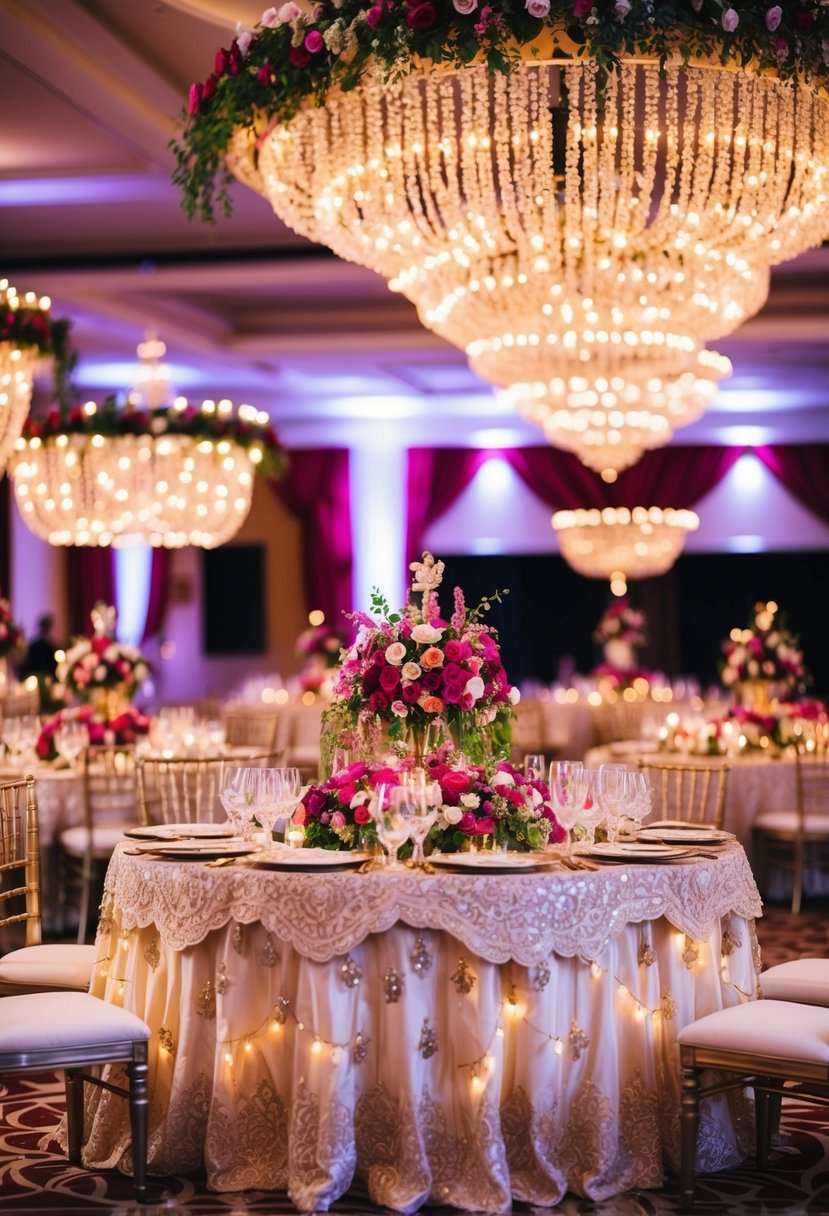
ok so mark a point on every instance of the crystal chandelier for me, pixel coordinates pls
(164, 476)
(620, 544)
(608, 420)
(24, 337)
(675, 196)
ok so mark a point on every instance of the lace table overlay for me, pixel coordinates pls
(519, 917)
(412, 1065)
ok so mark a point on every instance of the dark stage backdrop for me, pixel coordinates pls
(551, 612)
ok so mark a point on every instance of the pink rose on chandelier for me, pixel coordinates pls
(773, 17)
(537, 8)
(730, 20)
(465, 6)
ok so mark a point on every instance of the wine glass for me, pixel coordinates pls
(614, 795)
(290, 788)
(591, 814)
(533, 766)
(568, 788)
(70, 739)
(268, 799)
(417, 803)
(392, 827)
(641, 798)
(237, 797)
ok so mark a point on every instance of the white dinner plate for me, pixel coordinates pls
(198, 849)
(308, 859)
(635, 851)
(181, 831)
(503, 862)
(686, 835)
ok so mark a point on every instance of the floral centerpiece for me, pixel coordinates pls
(319, 647)
(125, 728)
(299, 52)
(411, 671)
(102, 669)
(512, 810)
(26, 323)
(764, 660)
(770, 731)
(621, 630)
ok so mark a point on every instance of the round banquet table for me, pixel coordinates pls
(469, 1039)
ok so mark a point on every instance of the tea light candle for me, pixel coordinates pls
(295, 837)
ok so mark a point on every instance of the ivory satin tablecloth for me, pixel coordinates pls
(463, 1039)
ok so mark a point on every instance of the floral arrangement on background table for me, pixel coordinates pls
(502, 805)
(12, 637)
(771, 731)
(763, 662)
(125, 728)
(620, 632)
(102, 670)
(414, 675)
(298, 53)
(319, 647)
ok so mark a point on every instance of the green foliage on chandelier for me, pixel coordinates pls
(295, 56)
(114, 417)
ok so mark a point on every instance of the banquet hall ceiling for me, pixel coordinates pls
(91, 91)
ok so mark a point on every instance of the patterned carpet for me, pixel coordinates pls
(35, 1178)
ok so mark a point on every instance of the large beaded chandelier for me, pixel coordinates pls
(25, 336)
(162, 475)
(568, 192)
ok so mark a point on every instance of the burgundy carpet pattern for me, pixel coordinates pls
(35, 1178)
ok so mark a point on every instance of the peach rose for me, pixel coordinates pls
(431, 705)
(431, 658)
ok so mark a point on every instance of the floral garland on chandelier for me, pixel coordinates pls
(26, 323)
(212, 421)
(297, 56)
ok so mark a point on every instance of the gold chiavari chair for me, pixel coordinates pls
(186, 789)
(686, 791)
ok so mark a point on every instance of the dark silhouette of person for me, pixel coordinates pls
(40, 656)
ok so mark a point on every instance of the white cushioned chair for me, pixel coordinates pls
(791, 838)
(804, 980)
(33, 967)
(72, 1031)
(760, 1045)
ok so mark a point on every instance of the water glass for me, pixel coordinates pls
(641, 799)
(237, 797)
(70, 739)
(417, 803)
(391, 824)
(614, 795)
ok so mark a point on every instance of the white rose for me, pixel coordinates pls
(514, 696)
(452, 815)
(426, 635)
(465, 6)
(502, 778)
(395, 653)
(410, 671)
(472, 801)
(475, 688)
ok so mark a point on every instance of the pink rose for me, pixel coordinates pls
(399, 709)
(338, 820)
(485, 826)
(537, 8)
(361, 814)
(467, 823)
(730, 20)
(313, 42)
(423, 17)
(194, 99)
(622, 8)
(465, 6)
(346, 792)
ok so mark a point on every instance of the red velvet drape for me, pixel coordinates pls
(316, 488)
(157, 600)
(90, 574)
(804, 471)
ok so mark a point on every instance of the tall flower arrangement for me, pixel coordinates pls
(413, 669)
(766, 650)
(620, 632)
(12, 638)
(102, 662)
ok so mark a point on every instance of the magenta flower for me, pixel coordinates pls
(374, 15)
(313, 42)
(422, 17)
(194, 99)
(582, 8)
(730, 20)
(773, 17)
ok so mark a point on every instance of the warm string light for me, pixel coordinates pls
(618, 543)
(17, 369)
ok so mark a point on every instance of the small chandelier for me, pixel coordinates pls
(25, 336)
(620, 544)
(164, 476)
(608, 420)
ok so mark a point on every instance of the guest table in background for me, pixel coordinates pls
(465, 1039)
